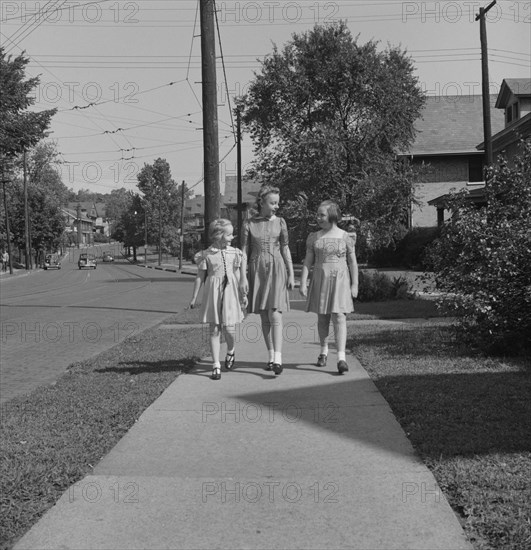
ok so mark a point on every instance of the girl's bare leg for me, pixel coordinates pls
(323, 329)
(215, 345)
(275, 321)
(340, 327)
(266, 329)
(230, 337)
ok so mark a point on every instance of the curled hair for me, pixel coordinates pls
(217, 228)
(332, 210)
(265, 190)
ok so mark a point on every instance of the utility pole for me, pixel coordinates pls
(181, 235)
(160, 224)
(78, 211)
(145, 233)
(239, 175)
(487, 131)
(6, 211)
(210, 114)
(27, 239)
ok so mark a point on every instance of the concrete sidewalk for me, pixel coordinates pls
(307, 459)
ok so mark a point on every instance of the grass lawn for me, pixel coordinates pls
(468, 419)
(54, 436)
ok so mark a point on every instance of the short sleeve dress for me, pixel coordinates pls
(263, 240)
(329, 290)
(221, 303)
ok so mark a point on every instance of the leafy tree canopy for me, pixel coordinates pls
(19, 129)
(326, 116)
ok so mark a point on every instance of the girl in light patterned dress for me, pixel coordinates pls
(221, 268)
(334, 284)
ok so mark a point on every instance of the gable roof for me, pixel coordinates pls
(93, 209)
(453, 125)
(512, 87)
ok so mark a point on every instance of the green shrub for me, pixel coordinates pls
(408, 252)
(483, 260)
(377, 287)
(100, 238)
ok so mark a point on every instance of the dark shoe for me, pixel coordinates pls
(216, 373)
(342, 367)
(321, 360)
(229, 361)
(277, 369)
(269, 366)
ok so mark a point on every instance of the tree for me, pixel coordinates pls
(129, 229)
(19, 129)
(326, 116)
(481, 260)
(116, 203)
(162, 199)
(46, 218)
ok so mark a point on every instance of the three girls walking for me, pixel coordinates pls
(228, 291)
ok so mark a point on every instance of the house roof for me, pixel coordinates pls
(93, 209)
(512, 87)
(520, 129)
(72, 212)
(453, 125)
(476, 195)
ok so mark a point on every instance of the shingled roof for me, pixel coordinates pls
(513, 86)
(453, 125)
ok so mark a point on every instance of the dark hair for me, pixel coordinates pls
(332, 209)
(265, 190)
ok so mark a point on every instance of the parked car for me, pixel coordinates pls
(87, 260)
(52, 261)
(108, 257)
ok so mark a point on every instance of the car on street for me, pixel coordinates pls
(108, 257)
(52, 261)
(87, 260)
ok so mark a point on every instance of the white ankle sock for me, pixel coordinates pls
(341, 356)
(271, 355)
(278, 358)
(324, 349)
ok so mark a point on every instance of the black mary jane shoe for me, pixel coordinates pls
(321, 360)
(342, 367)
(229, 361)
(269, 366)
(216, 373)
(277, 369)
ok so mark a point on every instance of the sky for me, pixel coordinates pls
(125, 75)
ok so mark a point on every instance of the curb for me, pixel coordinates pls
(176, 270)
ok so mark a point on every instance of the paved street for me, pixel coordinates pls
(50, 319)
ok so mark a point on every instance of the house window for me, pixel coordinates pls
(509, 114)
(516, 113)
(475, 168)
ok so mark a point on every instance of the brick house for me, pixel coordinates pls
(448, 133)
(194, 213)
(513, 106)
(514, 99)
(79, 230)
